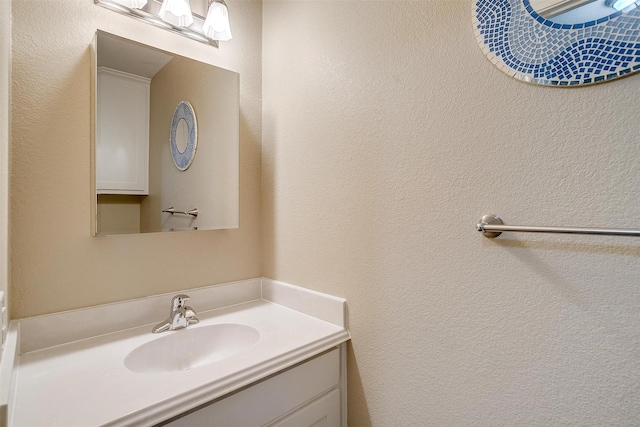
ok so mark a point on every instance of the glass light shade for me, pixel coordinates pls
(216, 26)
(619, 4)
(176, 12)
(132, 4)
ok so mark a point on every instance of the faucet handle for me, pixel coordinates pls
(191, 315)
(179, 301)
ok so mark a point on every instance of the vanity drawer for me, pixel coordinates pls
(322, 412)
(274, 398)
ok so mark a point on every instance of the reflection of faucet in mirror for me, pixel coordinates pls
(180, 316)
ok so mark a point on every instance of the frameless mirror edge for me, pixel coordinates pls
(92, 125)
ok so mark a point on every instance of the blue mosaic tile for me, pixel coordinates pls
(540, 51)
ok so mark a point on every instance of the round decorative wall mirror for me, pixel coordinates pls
(184, 136)
(560, 42)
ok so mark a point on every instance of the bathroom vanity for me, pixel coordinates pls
(305, 395)
(278, 358)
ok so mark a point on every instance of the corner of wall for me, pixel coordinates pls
(5, 135)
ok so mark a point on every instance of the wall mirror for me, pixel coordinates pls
(562, 43)
(139, 185)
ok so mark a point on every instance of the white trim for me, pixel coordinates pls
(5, 150)
(325, 307)
(343, 385)
(60, 328)
(8, 374)
(118, 73)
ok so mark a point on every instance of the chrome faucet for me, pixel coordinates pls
(180, 317)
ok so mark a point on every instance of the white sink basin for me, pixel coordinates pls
(192, 347)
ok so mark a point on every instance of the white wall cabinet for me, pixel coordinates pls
(122, 133)
(311, 394)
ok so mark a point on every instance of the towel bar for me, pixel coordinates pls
(492, 226)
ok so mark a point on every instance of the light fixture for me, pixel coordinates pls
(132, 4)
(216, 26)
(619, 4)
(176, 12)
(177, 16)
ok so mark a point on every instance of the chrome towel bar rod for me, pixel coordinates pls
(492, 226)
(193, 212)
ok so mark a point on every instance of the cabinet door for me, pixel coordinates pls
(273, 398)
(122, 134)
(322, 412)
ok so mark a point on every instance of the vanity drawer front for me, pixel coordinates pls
(322, 412)
(270, 399)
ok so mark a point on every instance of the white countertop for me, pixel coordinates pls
(85, 383)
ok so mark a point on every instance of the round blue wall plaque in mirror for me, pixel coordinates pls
(184, 135)
(561, 43)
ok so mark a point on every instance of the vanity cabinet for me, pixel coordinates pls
(122, 133)
(310, 394)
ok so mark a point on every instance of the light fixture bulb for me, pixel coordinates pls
(132, 4)
(216, 26)
(176, 12)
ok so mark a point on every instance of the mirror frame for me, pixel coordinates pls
(563, 55)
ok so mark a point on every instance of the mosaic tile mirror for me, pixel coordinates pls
(560, 43)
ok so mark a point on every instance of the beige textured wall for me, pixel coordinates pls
(56, 263)
(118, 214)
(387, 135)
(210, 183)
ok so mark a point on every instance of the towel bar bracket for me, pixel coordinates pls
(489, 220)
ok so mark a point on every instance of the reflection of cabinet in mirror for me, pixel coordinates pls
(122, 133)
